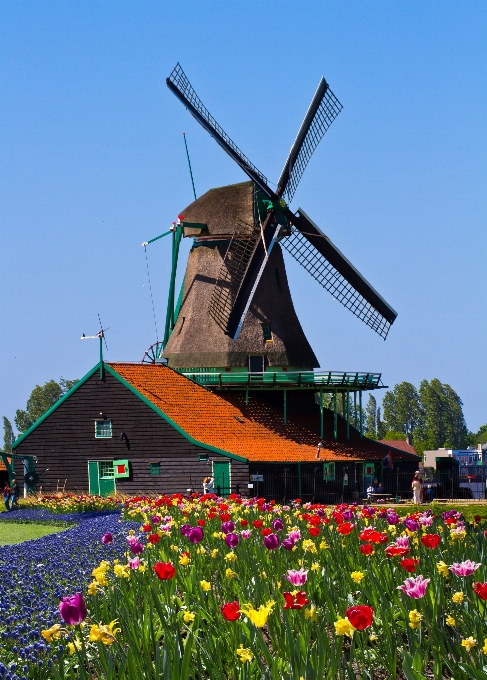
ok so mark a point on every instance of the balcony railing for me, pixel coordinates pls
(327, 380)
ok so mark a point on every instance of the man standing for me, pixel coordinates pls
(15, 494)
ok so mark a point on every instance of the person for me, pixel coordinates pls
(416, 486)
(370, 490)
(430, 493)
(15, 495)
(7, 491)
(208, 485)
(380, 488)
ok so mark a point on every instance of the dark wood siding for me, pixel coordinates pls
(65, 441)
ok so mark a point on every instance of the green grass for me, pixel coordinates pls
(13, 532)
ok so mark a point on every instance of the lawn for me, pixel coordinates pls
(12, 532)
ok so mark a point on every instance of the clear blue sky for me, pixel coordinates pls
(93, 163)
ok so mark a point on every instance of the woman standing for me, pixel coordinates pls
(6, 496)
(416, 486)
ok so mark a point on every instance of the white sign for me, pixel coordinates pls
(257, 478)
(251, 486)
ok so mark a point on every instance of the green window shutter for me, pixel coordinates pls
(329, 472)
(103, 429)
(266, 330)
(155, 468)
(121, 469)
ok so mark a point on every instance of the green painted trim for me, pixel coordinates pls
(55, 406)
(171, 422)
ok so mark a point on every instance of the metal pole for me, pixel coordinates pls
(321, 414)
(101, 357)
(335, 419)
(348, 415)
(285, 407)
(361, 418)
(299, 480)
(189, 163)
(355, 409)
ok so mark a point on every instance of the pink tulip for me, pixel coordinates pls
(134, 563)
(297, 577)
(464, 568)
(415, 587)
(107, 538)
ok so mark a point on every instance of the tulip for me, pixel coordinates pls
(295, 601)
(431, 541)
(73, 609)
(164, 570)
(481, 590)
(360, 616)
(411, 524)
(271, 542)
(107, 538)
(297, 577)
(465, 568)
(228, 527)
(366, 549)
(415, 587)
(154, 539)
(195, 534)
(246, 533)
(136, 547)
(278, 524)
(231, 611)
(134, 563)
(288, 544)
(185, 529)
(232, 540)
(409, 564)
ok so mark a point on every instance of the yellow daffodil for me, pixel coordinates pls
(229, 573)
(103, 633)
(344, 627)
(484, 648)
(52, 633)
(205, 585)
(174, 548)
(142, 568)
(357, 576)
(458, 597)
(258, 616)
(309, 546)
(373, 638)
(469, 642)
(415, 619)
(315, 566)
(73, 646)
(230, 557)
(122, 570)
(323, 545)
(214, 552)
(184, 560)
(310, 613)
(93, 588)
(244, 654)
(188, 617)
(443, 569)
(450, 621)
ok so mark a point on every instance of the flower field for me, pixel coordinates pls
(239, 589)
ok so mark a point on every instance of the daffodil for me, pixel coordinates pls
(52, 633)
(484, 648)
(188, 617)
(344, 627)
(184, 560)
(73, 646)
(357, 576)
(458, 597)
(258, 616)
(450, 621)
(230, 557)
(244, 654)
(93, 588)
(214, 552)
(469, 642)
(442, 569)
(104, 633)
(205, 586)
(122, 570)
(310, 613)
(415, 619)
(229, 573)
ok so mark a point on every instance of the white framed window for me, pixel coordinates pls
(103, 429)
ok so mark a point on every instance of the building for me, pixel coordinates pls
(470, 468)
(139, 428)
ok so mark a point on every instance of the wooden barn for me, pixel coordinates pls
(138, 428)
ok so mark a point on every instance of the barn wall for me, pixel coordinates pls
(65, 441)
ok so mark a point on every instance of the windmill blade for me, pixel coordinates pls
(240, 274)
(179, 84)
(103, 333)
(322, 111)
(317, 254)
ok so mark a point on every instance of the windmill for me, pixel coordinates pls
(237, 283)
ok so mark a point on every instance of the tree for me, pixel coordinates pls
(402, 410)
(40, 401)
(8, 435)
(443, 420)
(381, 428)
(479, 437)
(371, 417)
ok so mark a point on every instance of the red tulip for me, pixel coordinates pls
(231, 611)
(409, 564)
(430, 540)
(224, 516)
(244, 522)
(394, 551)
(366, 549)
(295, 601)
(345, 528)
(257, 523)
(164, 570)
(481, 590)
(201, 522)
(360, 616)
(147, 528)
(154, 538)
(266, 532)
(478, 518)
(314, 531)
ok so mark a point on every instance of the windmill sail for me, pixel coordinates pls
(322, 111)
(317, 254)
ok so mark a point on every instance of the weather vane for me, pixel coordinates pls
(101, 336)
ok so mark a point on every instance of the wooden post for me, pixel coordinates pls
(355, 409)
(321, 414)
(348, 414)
(335, 419)
(361, 418)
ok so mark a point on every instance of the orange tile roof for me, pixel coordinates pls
(401, 444)
(255, 432)
(2, 466)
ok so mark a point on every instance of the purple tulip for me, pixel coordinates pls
(228, 527)
(277, 524)
(185, 529)
(156, 519)
(73, 609)
(392, 518)
(231, 540)
(107, 538)
(195, 534)
(136, 547)
(347, 515)
(411, 524)
(415, 587)
(288, 544)
(271, 541)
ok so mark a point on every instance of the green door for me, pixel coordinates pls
(221, 477)
(101, 477)
(368, 476)
(93, 477)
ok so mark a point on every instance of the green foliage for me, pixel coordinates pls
(370, 425)
(479, 437)
(40, 401)
(13, 532)
(390, 435)
(402, 409)
(444, 424)
(8, 435)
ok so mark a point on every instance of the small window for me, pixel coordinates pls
(155, 468)
(103, 428)
(278, 281)
(266, 330)
(106, 469)
(329, 472)
(256, 364)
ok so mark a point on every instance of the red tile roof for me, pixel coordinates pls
(400, 444)
(255, 432)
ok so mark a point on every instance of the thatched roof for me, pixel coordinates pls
(221, 209)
